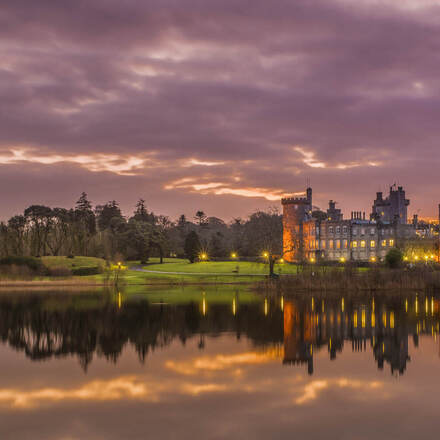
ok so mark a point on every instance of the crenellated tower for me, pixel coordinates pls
(296, 210)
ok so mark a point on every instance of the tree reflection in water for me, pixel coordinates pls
(51, 325)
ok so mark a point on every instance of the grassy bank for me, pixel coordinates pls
(61, 271)
(375, 279)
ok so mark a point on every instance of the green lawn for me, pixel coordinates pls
(217, 267)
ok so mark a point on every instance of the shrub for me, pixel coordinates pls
(59, 272)
(83, 271)
(30, 262)
(394, 258)
(12, 271)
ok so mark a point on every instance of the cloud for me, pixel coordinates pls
(165, 90)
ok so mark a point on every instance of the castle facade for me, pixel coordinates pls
(313, 235)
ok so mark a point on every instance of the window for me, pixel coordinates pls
(330, 229)
(345, 244)
(382, 232)
(391, 242)
(344, 230)
(362, 243)
(338, 229)
(330, 244)
(355, 244)
(338, 244)
(363, 231)
(322, 244)
(372, 231)
(384, 243)
(372, 244)
(354, 231)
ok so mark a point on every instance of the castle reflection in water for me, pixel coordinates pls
(311, 325)
(290, 330)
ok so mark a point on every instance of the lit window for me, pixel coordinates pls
(391, 242)
(362, 243)
(338, 244)
(330, 244)
(372, 244)
(355, 244)
(384, 243)
(322, 244)
(345, 244)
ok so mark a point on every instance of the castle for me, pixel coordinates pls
(312, 235)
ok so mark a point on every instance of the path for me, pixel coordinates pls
(140, 269)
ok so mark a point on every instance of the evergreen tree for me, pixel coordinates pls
(192, 246)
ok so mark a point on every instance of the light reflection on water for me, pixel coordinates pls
(215, 364)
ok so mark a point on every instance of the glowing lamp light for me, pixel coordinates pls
(203, 256)
(373, 259)
(405, 258)
(312, 260)
(265, 254)
(426, 257)
(416, 257)
(233, 255)
(281, 260)
(342, 260)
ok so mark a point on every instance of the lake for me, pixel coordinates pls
(217, 363)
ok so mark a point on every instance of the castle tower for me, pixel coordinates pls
(393, 208)
(296, 210)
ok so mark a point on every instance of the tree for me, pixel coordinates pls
(141, 213)
(39, 219)
(217, 245)
(394, 258)
(16, 232)
(200, 217)
(264, 236)
(105, 214)
(192, 246)
(182, 222)
(84, 224)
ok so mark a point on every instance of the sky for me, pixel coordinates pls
(223, 106)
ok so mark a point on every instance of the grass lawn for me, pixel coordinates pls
(217, 267)
(173, 271)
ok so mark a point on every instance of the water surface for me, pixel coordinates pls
(220, 363)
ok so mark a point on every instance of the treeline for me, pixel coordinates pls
(102, 231)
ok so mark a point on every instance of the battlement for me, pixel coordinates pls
(294, 201)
